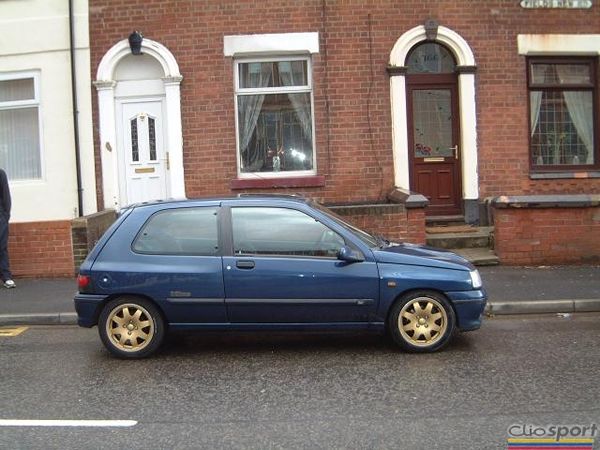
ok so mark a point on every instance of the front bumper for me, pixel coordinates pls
(469, 307)
(88, 308)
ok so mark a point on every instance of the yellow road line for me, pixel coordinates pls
(12, 331)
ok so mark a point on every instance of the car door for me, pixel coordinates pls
(175, 259)
(283, 269)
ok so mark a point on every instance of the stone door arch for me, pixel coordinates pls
(467, 109)
(165, 82)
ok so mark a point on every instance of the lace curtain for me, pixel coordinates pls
(580, 108)
(249, 107)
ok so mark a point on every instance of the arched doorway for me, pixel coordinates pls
(458, 86)
(139, 109)
(434, 128)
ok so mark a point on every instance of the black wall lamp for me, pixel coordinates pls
(135, 42)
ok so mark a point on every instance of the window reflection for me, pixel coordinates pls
(275, 132)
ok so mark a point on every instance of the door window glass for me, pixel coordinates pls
(281, 231)
(432, 122)
(135, 152)
(152, 138)
(183, 231)
(430, 58)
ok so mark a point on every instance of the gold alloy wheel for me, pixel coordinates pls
(422, 321)
(130, 327)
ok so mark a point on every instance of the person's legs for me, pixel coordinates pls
(4, 264)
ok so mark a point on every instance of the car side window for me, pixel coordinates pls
(181, 231)
(282, 231)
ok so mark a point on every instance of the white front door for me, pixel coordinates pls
(144, 162)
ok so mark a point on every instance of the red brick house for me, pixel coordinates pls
(489, 109)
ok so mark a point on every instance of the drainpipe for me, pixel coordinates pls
(75, 111)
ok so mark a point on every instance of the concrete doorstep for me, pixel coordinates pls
(493, 308)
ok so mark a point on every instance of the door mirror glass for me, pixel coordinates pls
(350, 255)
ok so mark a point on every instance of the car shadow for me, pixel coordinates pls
(195, 343)
(181, 343)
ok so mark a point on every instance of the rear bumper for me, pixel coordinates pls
(469, 306)
(88, 308)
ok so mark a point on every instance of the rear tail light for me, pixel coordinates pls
(83, 281)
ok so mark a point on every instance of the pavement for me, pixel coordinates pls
(511, 290)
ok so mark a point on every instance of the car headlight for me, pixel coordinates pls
(475, 279)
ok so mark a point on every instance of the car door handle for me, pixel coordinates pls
(245, 264)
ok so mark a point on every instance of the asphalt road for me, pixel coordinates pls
(274, 391)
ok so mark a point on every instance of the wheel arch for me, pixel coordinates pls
(411, 290)
(112, 297)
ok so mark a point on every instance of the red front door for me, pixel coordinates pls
(433, 134)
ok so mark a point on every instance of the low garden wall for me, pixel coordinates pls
(401, 220)
(547, 229)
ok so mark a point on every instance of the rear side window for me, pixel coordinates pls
(183, 231)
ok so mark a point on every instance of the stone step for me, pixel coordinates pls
(478, 256)
(480, 237)
(432, 221)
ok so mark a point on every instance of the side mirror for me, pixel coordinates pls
(349, 255)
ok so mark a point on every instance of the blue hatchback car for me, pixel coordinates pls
(267, 263)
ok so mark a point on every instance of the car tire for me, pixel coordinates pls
(131, 327)
(422, 322)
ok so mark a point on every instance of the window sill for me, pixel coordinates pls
(265, 183)
(564, 175)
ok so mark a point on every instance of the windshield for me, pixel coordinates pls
(368, 239)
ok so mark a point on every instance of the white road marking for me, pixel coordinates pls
(66, 423)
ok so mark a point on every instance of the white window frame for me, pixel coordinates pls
(21, 104)
(308, 88)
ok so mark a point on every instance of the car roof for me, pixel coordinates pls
(240, 197)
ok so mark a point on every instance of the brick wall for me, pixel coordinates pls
(547, 236)
(392, 221)
(41, 249)
(351, 86)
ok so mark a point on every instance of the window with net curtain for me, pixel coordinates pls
(275, 117)
(19, 128)
(562, 113)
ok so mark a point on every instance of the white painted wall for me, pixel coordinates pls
(35, 37)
